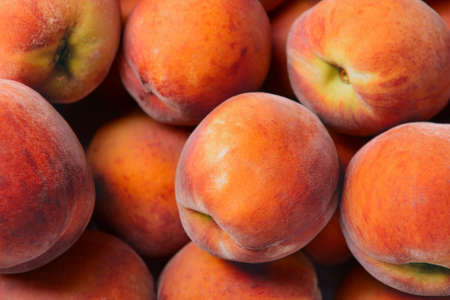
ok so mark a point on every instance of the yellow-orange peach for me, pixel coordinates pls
(395, 208)
(183, 58)
(365, 67)
(442, 7)
(46, 188)
(257, 179)
(61, 48)
(277, 81)
(359, 285)
(98, 266)
(134, 160)
(195, 274)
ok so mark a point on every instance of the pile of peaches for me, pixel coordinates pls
(224, 149)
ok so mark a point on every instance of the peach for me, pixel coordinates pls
(177, 75)
(364, 68)
(359, 285)
(277, 81)
(257, 179)
(442, 7)
(195, 274)
(270, 5)
(126, 8)
(46, 188)
(329, 246)
(61, 48)
(395, 208)
(134, 160)
(98, 266)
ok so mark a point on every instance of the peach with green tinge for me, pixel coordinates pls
(183, 58)
(364, 68)
(195, 274)
(359, 285)
(61, 48)
(277, 82)
(99, 266)
(134, 160)
(46, 188)
(257, 179)
(396, 205)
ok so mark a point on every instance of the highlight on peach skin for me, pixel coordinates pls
(46, 188)
(257, 179)
(195, 274)
(403, 240)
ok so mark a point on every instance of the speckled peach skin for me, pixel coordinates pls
(270, 5)
(359, 285)
(195, 274)
(277, 82)
(329, 246)
(395, 208)
(442, 7)
(99, 266)
(61, 48)
(364, 68)
(134, 160)
(46, 188)
(183, 58)
(256, 179)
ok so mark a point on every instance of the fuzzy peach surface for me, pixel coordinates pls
(134, 160)
(195, 274)
(46, 188)
(178, 76)
(237, 199)
(406, 167)
(99, 266)
(395, 54)
(61, 48)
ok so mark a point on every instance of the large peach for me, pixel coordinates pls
(183, 58)
(61, 48)
(195, 274)
(359, 285)
(442, 7)
(257, 179)
(395, 208)
(365, 67)
(277, 81)
(98, 266)
(134, 160)
(46, 188)
(329, 246)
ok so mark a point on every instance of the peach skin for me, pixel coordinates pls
(179, 76)
(277, 82)
(257, 179)
(99, 266)
(195, 274)
(134, 160)
(359, 285)
(61, 48)
(364, 68)
(46, 189)
(396, 205)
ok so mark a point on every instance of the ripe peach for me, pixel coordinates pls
(46, 189)
(134, 161)
(395, 208)
(179, 75)
(98, 266)
(256, 179)
(195, 274)
(277, 81)
(359, 285)
(61, 48)
(364, 68)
